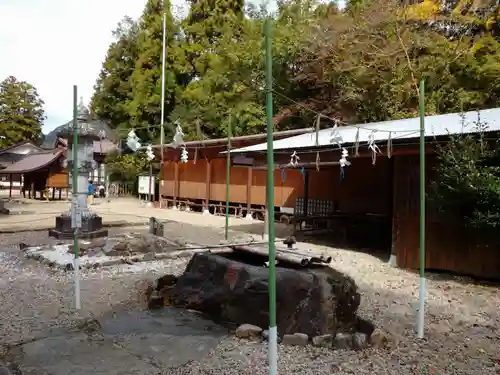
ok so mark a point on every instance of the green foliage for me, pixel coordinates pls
(360, 64)
(145, 107)
(21, 113)
(113, 89)
(466, 188)
(126, 167)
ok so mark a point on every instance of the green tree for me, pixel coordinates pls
(126, 167)
(145, 106)
(365, 66)
(113, 89)
(21, 112)
(466, 188)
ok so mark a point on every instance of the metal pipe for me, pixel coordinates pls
(421, 309)
(76, 209)
(273, 331)
(228, 176)
(162, 129)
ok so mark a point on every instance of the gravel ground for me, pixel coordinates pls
(462, 321)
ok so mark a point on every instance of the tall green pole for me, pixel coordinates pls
(273, 332)
(421, 309)
(75, 192)
(228, 176)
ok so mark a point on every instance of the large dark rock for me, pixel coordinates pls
(311, 301)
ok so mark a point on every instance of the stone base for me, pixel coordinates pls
(91, 228)
(81, 235)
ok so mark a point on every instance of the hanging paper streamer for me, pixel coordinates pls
(294, 160)
(335, 137)
(303, 171)
(149, 153)
(343, 162)
(373, 147)
(179, 135)
(184, 155)
(356, 144)
(317, 161)
(195, 155)
(283, 174)
(133, 141)
(389, 145)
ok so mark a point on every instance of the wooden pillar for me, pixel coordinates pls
(10, 185)
(208, 182)
(306, 193)
(176, 183)
(249, 192)
(21, 187)
(53, 193)
(60, 193)
(392, 186)
(99, 174)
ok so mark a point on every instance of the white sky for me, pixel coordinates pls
(55, 44)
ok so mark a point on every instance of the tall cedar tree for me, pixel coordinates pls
(224, 51)
(21, 112)
(113, 90)
(145, 107)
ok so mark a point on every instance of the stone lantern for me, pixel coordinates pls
(91, 223)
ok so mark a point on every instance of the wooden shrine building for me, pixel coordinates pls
(373, 203)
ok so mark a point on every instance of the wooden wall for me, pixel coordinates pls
(363, 188)
(448, 248)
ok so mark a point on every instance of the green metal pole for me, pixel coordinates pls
(421, 310)
(273, 332)
(228, 176)
(75, 197)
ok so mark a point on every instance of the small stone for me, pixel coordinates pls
(248, 331)
(98, 242)
(343, 340)
(94, 251)
(84, 246)
(297, 339)
(378, 338)
(120, 246)
(324, 341)
(359, 341)
(265, 335)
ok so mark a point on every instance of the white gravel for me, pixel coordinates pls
(462, 321)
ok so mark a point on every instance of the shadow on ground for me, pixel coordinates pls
(128, 342)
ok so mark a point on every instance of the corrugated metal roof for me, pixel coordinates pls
(435, 126)
(33, 162)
